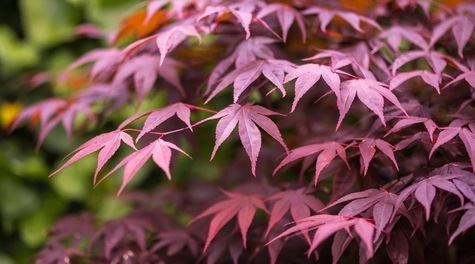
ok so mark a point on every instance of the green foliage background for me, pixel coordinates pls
(39, 36)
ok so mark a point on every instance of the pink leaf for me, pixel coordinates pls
(307, 75)
(159, 150)
(328, 151)
(286, 15)
(169, 39)
(468, 139)
(466, 222)
(365, 231)
(159, 116)
(425, 194)
(367, 149)
(370, 92)
(247, 116)
(445, 136)
(108, 143)
(245, 78)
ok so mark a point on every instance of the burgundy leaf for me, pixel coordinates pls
(398, 247)
(176, 240)
(341, 240)
(240, 205)
(296, 201)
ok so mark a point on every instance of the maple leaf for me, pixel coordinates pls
(307, 75)
(40, 112)
(286, 15)
(430, 78)
(242, 77)
(327, 225)
(116, 231)
(466, 221)
(157, 117)
(52, 112)
(436, 61)
(168, 40)
(467, 75)
(462, 29)
(108, 143)
(368, 147)
(424, 191)
(412, 120)
(144, 69)
(245, 53)
(242, 11)
(381, 202)
(159, 150)
(175, 241)
(102, 58)
(248, 117)
(454, 129)
(298, 202)
(370, 92)
(326, 15)
(423, 4)
(328, 151)
(395, 34)
(398, 246)
(240, 205)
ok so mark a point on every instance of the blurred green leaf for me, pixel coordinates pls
(16, 200)
(14, 54)
(30, 167)
(108, 13)
(33, 229)
(48, 22)
(75, 182)
(4, 259)
(112, 208)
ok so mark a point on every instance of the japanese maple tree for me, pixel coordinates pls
(392, 171)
